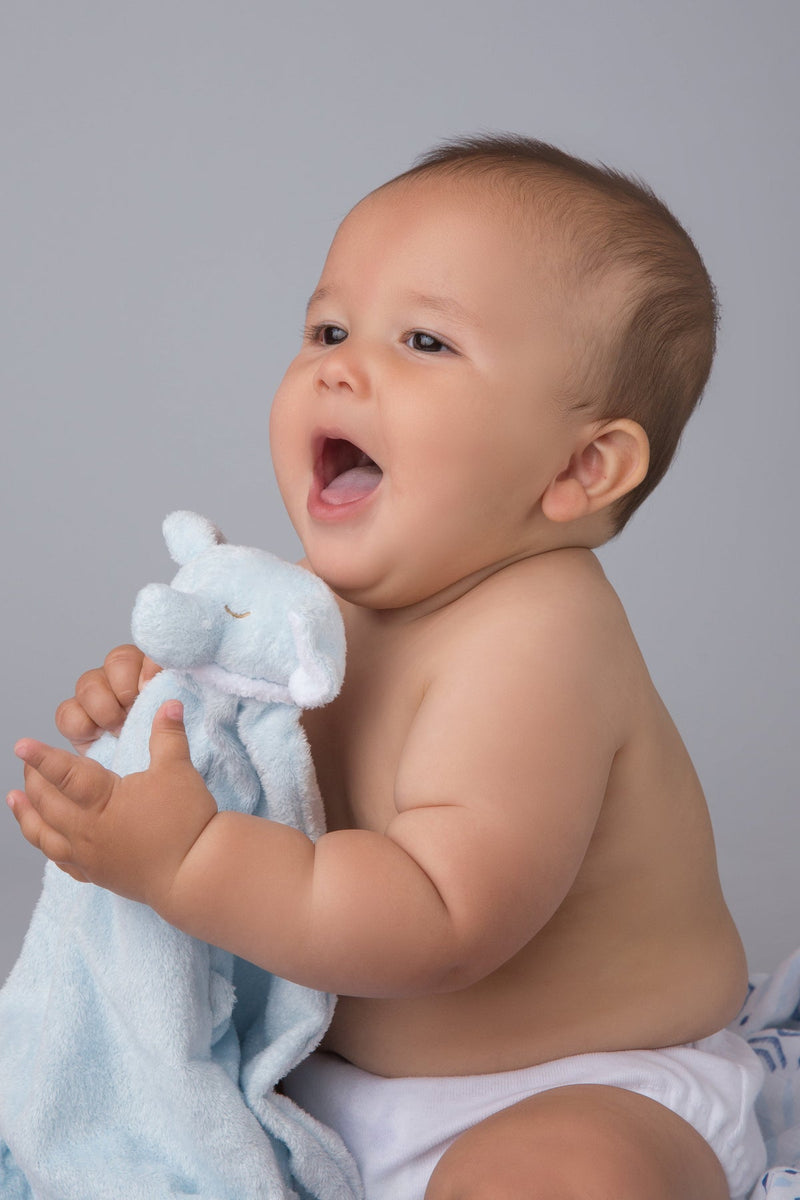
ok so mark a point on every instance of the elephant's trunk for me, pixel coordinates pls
(176, 629)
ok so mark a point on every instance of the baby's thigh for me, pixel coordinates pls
(584, 1142)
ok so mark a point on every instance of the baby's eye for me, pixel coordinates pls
(425, 342)
(328, 335)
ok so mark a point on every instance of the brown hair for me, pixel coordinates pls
(653, 358)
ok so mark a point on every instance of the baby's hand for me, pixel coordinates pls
(129, 834)
(103, 697)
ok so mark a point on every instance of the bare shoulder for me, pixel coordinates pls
(557, 607)
(561, 585)
(542, 644)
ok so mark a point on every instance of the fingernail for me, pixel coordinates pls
(10, 801)
(174, 710)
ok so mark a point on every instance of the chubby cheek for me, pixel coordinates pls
(276, 434)
(280, 407)
(452, 462)
(285, 440)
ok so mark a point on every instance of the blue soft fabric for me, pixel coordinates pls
(136, 1062)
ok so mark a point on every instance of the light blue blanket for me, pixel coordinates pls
(136, 1062)
(770, 1021)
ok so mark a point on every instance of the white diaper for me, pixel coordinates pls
(398, 1129)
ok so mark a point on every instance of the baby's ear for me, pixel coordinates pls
(608, 464)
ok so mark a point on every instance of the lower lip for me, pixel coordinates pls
(321, 510)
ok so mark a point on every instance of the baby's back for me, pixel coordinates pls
(640, 950)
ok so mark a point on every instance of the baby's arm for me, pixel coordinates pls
(494, 814)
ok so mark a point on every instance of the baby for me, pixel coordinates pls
(517, 898)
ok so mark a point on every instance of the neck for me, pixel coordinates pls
(429, 606)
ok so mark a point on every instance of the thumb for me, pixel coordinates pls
(168, 741)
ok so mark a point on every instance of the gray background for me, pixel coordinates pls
(172, 173)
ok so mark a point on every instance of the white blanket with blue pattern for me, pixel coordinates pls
(770, 1021)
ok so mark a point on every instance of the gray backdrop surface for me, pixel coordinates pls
(173, 171)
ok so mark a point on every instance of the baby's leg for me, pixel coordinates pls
(584, 1142)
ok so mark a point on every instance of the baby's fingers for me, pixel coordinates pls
(76, 725)
(51, 774)
(95, 694)
(123, 668)
(51, 843)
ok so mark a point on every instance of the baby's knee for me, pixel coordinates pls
(579, 1144)
(525, 1153)
(534, 1176)
(500, 1181)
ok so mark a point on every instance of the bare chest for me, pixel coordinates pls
(357, 741)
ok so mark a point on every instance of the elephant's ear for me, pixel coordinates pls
(319, 645)
(187, 535)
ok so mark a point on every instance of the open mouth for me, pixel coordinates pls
(345, 472)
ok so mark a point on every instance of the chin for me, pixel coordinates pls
(337, 571)
(364, 588)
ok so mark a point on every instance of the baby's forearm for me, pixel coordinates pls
(440, 900)
(352, 914)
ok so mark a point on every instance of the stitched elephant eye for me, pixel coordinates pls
(237, 615)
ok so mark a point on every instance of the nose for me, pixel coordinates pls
(344, 369)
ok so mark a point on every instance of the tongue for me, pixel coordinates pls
(352, 485)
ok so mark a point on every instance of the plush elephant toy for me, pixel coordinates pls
(249, 640)
(136, 1061)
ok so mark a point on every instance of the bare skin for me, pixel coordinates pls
(519, 864)
(574, 1142)
(634, 918)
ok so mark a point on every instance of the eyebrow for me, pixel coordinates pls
(446, 305)
(321, 293)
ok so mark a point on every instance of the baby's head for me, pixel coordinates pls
(501, 340)
(642, 307)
